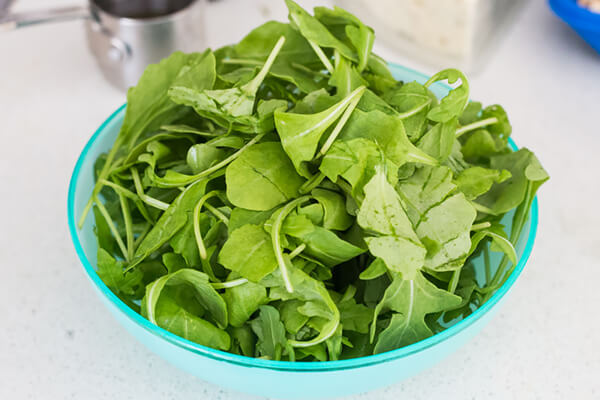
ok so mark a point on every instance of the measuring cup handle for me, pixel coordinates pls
(13, 21)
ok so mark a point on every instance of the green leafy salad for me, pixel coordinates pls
(287, 198)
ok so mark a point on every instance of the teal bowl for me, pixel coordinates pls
(278, 379)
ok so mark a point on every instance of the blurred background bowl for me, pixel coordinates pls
(584, 21)
(279, 379)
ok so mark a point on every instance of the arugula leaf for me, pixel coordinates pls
(356, 161)
(248, 252)
(113, 274)
(502, 127)
(102, 231)
(439, 140)
(227, 103)
(327, 247)
(442, 218)
(475, 181)
(353, 316)
(471, 113)
(411, 300)
(376, 269)
(183, 242)
(148, 107)
(382, 214)
(239, 101)
(362, 38)
(349, 29)
(177, 320)
(387, 131)
(173, 262)
(455, 102)
(307, 290)
(242, 301)
(380, 67)
(413, 101)
(335, 216)
(202, 156)
(240, 217)
(314, 102)
(243, 340)
(317, 352)
(292, 319)
(193, 280)
(445, 231)
(480, 145)
(261, 178)
(499, 239)
(170, 222)
(300, 133)
(524, 168)
(270, 332)
(314, 31)
(345, 77)
(208, 108)
(145, 146)
(295, 52)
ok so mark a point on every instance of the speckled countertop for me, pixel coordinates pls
(58, 342)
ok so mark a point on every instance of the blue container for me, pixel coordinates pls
(585, 22)
(279, 379)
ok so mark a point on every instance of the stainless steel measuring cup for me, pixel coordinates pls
(125, 35)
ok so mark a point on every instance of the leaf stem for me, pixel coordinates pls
(142, 235)
(255, 83)
(415, 110)
(142, 208)
(324, 335)
(98, 186)
(229, 159)
(197, 231)
(215, 211)
(478, 227)
(208, 269)
(111, 226)
(347, 189)
(151, 201)
(312, 183)
(454, 281)
(297, 251)
(191, 130)
(355, 96)
(126, 211)
(422, 158)
(308, 70)
(218, 166)
(240, 61)
(119, 189)
(321, 56)
(519, 220)
(276, 239)
(482, 208)
(125, 194)
(486, 261)
(475, 125)
(229, 284)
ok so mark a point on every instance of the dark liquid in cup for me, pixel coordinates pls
(142, 9)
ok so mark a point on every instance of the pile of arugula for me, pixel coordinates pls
(287, 198)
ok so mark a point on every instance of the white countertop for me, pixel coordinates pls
(57, 341)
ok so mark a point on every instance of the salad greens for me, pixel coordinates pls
(287, 198)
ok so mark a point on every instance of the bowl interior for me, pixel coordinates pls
(81, 186)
